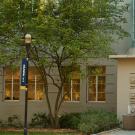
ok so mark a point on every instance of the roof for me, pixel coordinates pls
(121, 56)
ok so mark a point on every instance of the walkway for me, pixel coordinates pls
(118, 132)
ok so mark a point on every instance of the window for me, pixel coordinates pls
(12, 84)
(11, 81)
(35, 85)
(96, 83)
(72, 87)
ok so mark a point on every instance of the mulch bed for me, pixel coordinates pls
(40, 130)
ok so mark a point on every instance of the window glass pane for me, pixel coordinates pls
(31, 91)
(8, 89)
(16, 84)
(7, 73)
(92, 96)
(75, 89)
(101, 96)
(32, 72)
(39, 86)
(12, 85)
(16, 74)
(67, 92)
(96, 70)
(31, 83)
(101, 88)
(16, 91)
(39, 91)
(92, 88)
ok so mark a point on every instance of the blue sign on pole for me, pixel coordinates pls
(24, 74)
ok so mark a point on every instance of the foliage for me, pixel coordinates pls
(94, 121)
(14, 121)
(70, 120)
(39, 120)
(63, 31)
(2, 124)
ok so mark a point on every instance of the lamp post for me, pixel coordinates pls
(27, 41)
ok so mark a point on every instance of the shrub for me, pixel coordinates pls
(39, 120)
(94, 121)
(14, 121)
(1, 123)
(70, 120)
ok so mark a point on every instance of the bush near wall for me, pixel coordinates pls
(13, 121)
(40, 120)
(69, 120)
(94, 121)
(91, 121)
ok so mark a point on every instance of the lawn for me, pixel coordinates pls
(35, 133)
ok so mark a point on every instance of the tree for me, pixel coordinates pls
(63, 31)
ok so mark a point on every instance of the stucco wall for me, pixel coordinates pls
(125, 68)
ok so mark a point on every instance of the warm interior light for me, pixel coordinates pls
(27, 39)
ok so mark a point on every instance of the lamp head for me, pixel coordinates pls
(28, 39)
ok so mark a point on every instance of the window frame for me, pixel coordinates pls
(71, 87)
(35, 84)
(12, 87)
(97, 78)
(35, 90)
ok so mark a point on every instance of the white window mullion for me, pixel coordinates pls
(96, 88)
(4, 83)
(35, 86)
(71, 90)
(12, 87)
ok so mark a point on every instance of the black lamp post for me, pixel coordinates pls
(27, 41)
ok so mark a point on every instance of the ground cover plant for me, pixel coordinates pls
(69, 120)
(94, 121)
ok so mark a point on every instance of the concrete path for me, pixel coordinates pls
(118, 132)
(123, 133)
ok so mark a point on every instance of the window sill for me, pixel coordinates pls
(20, 100)
(71, 101)
(35, 100)
(11, 100)
(97, 102)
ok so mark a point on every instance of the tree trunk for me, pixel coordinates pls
(54, 121)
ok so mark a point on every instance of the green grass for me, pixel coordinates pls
(34, 133)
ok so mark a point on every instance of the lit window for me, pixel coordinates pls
(96, 83)
(35, 85)
(11, 81)
(72, 87)
(12, 84)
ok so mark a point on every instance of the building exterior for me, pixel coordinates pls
(126, 73)
(97, 89)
